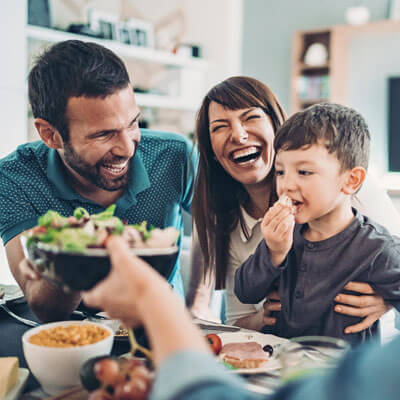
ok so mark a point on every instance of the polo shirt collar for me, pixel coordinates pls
(138, 180)
(247, 224)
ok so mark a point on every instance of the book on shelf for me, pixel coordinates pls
(314, 87)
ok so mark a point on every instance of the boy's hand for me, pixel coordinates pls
(277, 228)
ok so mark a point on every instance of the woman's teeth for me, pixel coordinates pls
(248, 155)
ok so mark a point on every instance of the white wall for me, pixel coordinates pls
(368, 87)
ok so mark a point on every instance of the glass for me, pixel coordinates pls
(310, 355)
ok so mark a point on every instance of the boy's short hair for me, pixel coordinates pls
(72, 69)
(341, 129)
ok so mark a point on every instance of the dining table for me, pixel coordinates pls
(11, 331)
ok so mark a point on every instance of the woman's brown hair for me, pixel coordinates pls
(217, 197)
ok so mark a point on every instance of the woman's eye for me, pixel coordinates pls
(278, 173)
(216, 128)
(254, 116)
(303, 172)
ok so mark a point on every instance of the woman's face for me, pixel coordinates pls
(242, 141)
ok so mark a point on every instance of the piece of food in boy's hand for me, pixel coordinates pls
(244, 355)
(215, 342)
(286, 201)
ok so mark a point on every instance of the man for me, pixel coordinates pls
(92, 154)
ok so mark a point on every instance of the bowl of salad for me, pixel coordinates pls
(71, 252)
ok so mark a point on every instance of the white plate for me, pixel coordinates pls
(15, 392)
(261, 338)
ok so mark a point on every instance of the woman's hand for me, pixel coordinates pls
(262, 317)
(277, 228)
(369, 305)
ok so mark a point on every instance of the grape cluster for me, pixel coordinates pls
(122, 379)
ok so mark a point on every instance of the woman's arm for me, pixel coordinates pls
(201, 285)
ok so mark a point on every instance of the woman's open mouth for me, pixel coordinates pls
(246, 156)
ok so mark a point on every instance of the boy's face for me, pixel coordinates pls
(312, 178)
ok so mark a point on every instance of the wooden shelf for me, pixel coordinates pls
(305, 68)
(128, 51)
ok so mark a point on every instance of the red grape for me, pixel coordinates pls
(107, 371)
(137, 389)
(99, 394)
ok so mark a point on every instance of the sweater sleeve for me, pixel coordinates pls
(384, 274)
(254, 278)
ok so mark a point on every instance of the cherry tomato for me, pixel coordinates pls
(215, 342)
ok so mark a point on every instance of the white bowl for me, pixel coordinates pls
(57, 368)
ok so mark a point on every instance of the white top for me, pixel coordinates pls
(372, 201)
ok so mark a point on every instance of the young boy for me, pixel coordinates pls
(315, 242)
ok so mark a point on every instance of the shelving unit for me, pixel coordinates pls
(187, 101)
(309, 83)
(123, 50)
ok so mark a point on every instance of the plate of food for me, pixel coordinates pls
(247, 352)
(71, 250)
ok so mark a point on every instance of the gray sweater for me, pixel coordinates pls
(313, 274)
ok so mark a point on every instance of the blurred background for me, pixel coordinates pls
(307, 51)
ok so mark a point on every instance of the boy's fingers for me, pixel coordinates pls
(360, 287)
(276, 224)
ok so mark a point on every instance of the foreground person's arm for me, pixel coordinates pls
(134, 292)
(48, 301)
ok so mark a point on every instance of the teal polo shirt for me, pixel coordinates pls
(33, 180)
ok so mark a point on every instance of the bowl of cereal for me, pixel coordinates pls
(56, 351)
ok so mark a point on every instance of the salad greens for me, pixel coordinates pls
(82, 230)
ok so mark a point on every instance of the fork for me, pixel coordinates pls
(17, 317)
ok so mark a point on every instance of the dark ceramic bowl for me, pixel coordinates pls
(82, 271)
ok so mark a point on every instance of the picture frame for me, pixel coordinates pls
(105, 24)
(123, 33)
(141, 32)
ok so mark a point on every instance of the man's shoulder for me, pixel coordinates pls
(27, 156)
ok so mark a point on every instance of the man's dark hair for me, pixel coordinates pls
(342, 130)
(72, 69)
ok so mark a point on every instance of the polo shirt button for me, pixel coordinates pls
(298, 294)
(303, 267)
(310, 245)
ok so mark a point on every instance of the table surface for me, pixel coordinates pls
(11, 345)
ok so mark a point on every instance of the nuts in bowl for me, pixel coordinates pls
(56, 351)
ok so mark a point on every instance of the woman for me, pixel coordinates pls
(235, 130)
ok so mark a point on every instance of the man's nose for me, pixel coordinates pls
(125, 144)
(238, 133)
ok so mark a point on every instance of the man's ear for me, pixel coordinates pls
(354, 178)
(50, 135)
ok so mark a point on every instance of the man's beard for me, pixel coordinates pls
(92, 172)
